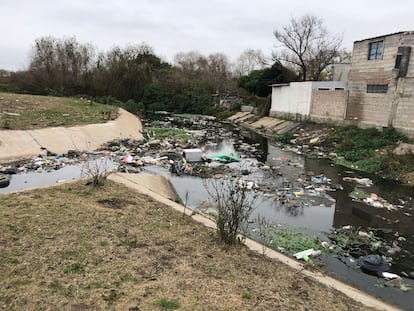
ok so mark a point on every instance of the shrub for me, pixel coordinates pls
(95, 171)
(234, 206)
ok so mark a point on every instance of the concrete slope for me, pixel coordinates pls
(159, 184)
(17, 145)
(266, 124)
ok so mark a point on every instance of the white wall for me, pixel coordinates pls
(293, 98)
(296, 97)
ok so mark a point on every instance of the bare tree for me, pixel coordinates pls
(60, 64)
(213, 71)
(248, 61)
(307, 45)
(191, 63)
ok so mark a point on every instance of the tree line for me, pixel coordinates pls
(136, 76)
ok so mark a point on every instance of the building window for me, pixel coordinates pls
(377, 88)
(375, 50)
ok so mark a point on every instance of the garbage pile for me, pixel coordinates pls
(372, 199)
(310, 142)
(306, 191)
(45, 161)
(374, 255)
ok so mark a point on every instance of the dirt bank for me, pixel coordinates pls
(17, 145)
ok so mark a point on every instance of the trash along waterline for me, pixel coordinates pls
(294, 197)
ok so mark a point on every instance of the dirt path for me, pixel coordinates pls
(17, 145)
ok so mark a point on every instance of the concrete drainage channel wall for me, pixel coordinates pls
(131, 181)
(18, 145)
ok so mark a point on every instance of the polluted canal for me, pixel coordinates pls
(351, 215)
(355, 228)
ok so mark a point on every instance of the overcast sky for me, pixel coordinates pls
(171, 26)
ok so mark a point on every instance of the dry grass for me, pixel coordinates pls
(74, 247)
(23, 112)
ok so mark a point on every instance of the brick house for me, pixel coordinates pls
(381, 82)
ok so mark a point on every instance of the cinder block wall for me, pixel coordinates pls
(368, 107)
(329, 103)
(377, 109)
(404, 117)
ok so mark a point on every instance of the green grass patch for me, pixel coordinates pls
(362, 149)
(246, 294)
(359, 194)
(167, 304)
(284, 138)
(161, 133)
(29, 111)
(289, 240)
(68, 254)
(74, 268)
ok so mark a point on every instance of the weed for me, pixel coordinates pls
(246, 294)
(74, 268)
(167, 303)
(343, 240)
(104, 243)
(161, 133)
(285, 138)
(290, 240)
(130, 242)
(359, 194)
(130, 278)
(358, 148)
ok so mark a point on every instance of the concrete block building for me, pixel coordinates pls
(379, 91)
(381, 81)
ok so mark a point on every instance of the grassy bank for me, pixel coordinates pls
(22, 112)
(75, 247)
(372, 151)
(385, 153)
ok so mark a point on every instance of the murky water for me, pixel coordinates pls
(322, 212)
(34, 179)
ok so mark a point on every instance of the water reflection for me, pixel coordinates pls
(34, 179)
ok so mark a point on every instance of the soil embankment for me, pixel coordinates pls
(18, 145)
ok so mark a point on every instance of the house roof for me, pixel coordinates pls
(387, 35)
